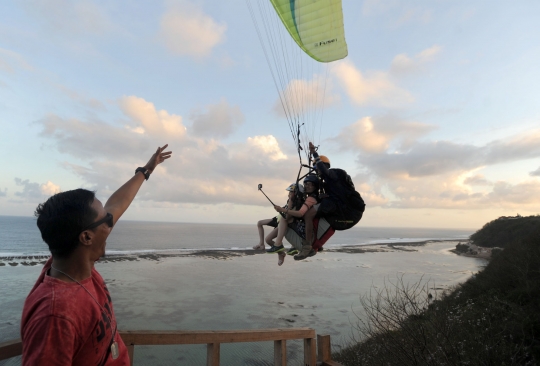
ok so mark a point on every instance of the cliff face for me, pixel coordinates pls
(505, 230)
(491, 319)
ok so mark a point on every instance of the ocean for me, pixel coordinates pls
(237, 291)
(20, 236)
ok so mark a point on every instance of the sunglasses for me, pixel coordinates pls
(107, 219)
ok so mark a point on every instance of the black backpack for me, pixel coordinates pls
(352, 205)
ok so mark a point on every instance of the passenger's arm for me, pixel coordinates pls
(298, 213)
(118, 203)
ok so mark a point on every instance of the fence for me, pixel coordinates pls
(213, 339)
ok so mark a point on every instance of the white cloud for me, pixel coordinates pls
(401, 171)
(416, 15)
(374, 88)
(535, 173)
(302, 97)
(374, 135)
(371, 7)
(49, 188)
(218, 120)
(268, 145)
(445, 191)
(429, 158)
(187, 30)
(477, 180)
(70, 18)
(10, 61)
(35, 191)
(156, 123)
(403, 64)
(200, 170)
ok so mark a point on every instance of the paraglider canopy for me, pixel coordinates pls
(316, 26)
(299, 38)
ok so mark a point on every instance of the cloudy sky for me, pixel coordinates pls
(435, 112)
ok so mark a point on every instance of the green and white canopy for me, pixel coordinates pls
(316, 26)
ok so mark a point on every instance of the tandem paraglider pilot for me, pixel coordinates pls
(68, 317)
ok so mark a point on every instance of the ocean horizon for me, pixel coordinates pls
(19, 236)
(242, 289)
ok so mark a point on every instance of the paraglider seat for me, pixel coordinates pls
(320, 226)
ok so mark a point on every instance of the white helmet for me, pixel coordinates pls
(292, 188)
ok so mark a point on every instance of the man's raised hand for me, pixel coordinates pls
(311, 148)
(158, 158)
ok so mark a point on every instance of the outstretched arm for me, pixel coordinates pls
(323, 170)
(118, 203)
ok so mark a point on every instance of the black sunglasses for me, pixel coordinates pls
(107, 219)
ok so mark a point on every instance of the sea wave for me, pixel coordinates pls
(173, 251)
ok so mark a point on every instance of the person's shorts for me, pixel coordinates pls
(274, 222)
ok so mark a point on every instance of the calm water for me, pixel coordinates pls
(20, 236)
(246, 292)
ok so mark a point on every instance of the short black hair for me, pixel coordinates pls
(63, 217)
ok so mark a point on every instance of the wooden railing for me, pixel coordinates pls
(213, 339)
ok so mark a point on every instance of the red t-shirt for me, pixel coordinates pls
(62, 325)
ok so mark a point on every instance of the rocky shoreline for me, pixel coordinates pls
(34, 260)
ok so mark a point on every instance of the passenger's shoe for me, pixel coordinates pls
(275, 249)
(306, 249)
(292, 251)
(312, 253)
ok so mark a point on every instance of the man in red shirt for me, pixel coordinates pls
(68, 317)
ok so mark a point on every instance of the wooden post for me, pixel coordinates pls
(324, 348)
(280, 353)
(310, 353)
(131, 351)
(212, 354)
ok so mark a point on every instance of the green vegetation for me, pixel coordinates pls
(504, 230)
(492, 319)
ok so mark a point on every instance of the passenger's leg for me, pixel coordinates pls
(278, 245)
(282, 230)
(281, 258)
(261, 233)
(271, 236)
(308, 219)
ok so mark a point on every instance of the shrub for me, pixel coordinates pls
(492, 319)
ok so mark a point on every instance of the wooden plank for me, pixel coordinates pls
(10, 349)
(212, 354)
(324, 348)
(142, 337)
(310, 353)
(280, 353)
(131, 352)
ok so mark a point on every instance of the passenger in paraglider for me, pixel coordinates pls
(340, 204)
(273, 222)
(294, 219)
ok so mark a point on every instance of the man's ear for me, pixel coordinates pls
(85, 238)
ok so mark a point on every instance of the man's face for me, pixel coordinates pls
(99, 239)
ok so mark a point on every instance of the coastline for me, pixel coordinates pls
(221, 254)
(244, 290)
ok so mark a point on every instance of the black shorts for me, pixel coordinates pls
(274, 222)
